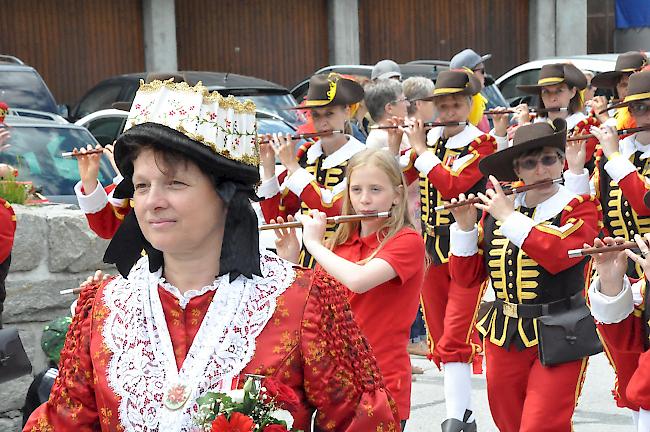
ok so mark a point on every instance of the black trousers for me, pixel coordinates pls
(4, 271)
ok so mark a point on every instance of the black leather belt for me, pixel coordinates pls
(516, 310)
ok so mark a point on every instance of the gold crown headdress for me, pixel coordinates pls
(224, 124)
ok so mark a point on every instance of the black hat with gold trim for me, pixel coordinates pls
(219, 135)
(638, 89)
(331, 90)
(528, 137)
(557, 73)
(626, 63)
(455, 82)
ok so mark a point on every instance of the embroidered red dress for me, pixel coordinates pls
(130, 336)
(386, 312)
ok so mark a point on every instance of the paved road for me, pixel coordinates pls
(596, 411)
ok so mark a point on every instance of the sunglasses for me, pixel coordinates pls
(481, 70)
(639, 108)
(531, 163)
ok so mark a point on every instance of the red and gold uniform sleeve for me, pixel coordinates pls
(72, 405)
(619, 318)
(580, 223)
(583, 128)
(7, 229)
(104, 213)
(462, 174)
(633, 184)
(406, 161)
(466, 264)
(341, 377)
(276, 201)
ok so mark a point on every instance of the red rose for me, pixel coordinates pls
(238, 422)
(284, 395)
(275, 428)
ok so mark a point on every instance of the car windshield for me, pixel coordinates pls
(271, 126)
(25, 89)
(276, 104)
(494, 97)
(36, 153)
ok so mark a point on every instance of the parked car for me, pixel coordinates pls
(268, 96)
(21, 86)
(35, 149)
(425, 68)
(528, 73)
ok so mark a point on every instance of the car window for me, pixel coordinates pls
(276, 104)
(36, 153)
(101, 97)
(106, 129)
(509, 86)
(494, 97)
(25, 89)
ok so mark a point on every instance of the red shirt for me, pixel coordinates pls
(386, 312)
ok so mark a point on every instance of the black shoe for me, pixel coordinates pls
(455, 425)
(469, 427)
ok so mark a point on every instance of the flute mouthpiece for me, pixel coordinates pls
(575, 253)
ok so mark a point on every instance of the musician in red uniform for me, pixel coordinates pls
(445, 163)
(621, 306)
(314, 178)
(559, 88)
(618, 81)
(619, 182)
(511, 246)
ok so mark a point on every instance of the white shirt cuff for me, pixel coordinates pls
(577, 183)
(298, 181)
(92, 202)
(516, 228)
(619, 167)
(269, 188)
(463, 243)
(426, 162)
(611, 310)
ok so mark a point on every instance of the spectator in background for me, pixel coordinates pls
(417, 90)
(469, 59)
(51, 342)
(590, 90)
(385, 100)
(386, 69)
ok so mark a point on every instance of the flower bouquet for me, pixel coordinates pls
(263, 405)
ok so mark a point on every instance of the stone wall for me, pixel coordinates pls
(53, 250)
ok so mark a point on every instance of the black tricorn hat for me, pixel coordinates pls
(626, 63)
(331, 90)
(455, 82)
(527, 138)
(557, 73)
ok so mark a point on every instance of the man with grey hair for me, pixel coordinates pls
(384, 100)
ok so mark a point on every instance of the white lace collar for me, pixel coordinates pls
(467, 135)
(142, 366)
(184, 298)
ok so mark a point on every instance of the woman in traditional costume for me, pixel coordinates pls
(204, 307)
